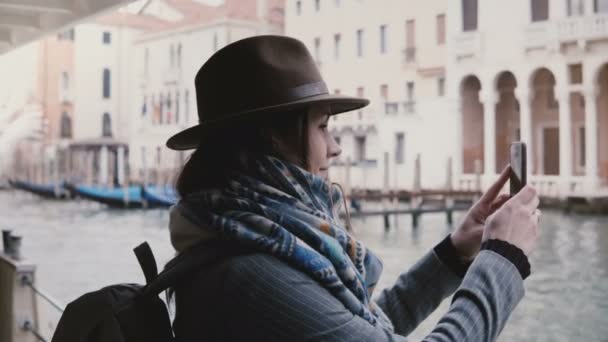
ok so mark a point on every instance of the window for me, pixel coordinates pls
(106, 83)
(298, 7)
(576, 8)
(318, 50)
(169, 112)
(144, 107)
(440, 86)
(469, 15)
(107, 37)
(146, 61)
(337, 41)
(360, 148)
(66, 126)
(409, 103)
(410, 33)
(161, 103)
(410, 40)
(600, 6)
(399, 148)
(383, 33)
(440, 29)
(576, 73)
(540, 10)
(171, 55)
(317, 5)
(384, 92)
(158, 155)
(143, 157)
(65, 81)
(177, 107)
(582, 152)
(360, 43)
(66, 35)
(106, 125)
(187, 106)
(360, 91)
(410, 91)
(179, 55)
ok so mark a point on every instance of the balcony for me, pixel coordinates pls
(580, 30)
(468, 45)
(583, 28)
(409, 55)
(391, 107)
(409, 107)
(66, 96)
(172, 75)
(143, 79)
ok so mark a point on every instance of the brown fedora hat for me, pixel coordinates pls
(254, 76)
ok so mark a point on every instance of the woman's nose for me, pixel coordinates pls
(334, 148)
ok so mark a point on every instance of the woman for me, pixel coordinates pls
(259, 179)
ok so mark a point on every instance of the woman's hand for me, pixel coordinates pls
(467, 237)
(517, 221)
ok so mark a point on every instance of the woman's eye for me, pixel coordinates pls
(323, 126)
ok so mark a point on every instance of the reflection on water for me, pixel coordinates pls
(81, 246)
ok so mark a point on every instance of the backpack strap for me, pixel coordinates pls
(146, 260)
(186, 263)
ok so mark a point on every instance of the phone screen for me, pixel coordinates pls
(517, 179)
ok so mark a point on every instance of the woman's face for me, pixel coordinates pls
(321, 144)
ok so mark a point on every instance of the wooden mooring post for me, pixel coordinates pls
(422, 201)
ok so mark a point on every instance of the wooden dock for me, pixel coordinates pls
(417, 200)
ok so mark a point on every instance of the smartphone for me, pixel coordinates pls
(518, 177)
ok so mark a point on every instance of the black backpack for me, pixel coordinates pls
(133, 312)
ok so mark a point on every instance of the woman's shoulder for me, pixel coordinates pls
(263, 269)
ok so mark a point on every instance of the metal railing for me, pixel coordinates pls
(28, 326)
(26, 280)
(17, 288)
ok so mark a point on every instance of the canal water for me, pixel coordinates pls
(80, 246)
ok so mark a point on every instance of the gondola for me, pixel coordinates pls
(49, 190)
(127, 198)
(161, 196)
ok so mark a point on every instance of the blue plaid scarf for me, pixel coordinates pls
(283, 210)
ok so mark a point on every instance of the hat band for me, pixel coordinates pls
(307, 90)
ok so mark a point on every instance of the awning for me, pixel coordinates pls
(22, 21)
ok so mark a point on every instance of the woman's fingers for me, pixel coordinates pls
(498, 202)
(490, 195)
(527, 197)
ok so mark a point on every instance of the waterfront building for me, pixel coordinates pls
(394, 53)
(165, 61)
(536, 71)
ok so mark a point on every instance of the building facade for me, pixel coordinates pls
(165, 62)
(393, 53)
(536, 71)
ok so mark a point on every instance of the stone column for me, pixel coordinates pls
(489, 100)
(565, 141)
(120, 165)
(591, 139)
(103, 166)
(589, 7)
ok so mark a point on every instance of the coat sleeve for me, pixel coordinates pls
(418, 292)
(268, 300)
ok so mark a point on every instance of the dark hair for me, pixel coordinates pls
(235, 145)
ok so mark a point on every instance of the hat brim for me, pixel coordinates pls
(189, 138)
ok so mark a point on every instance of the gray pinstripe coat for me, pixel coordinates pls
(259, 298)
